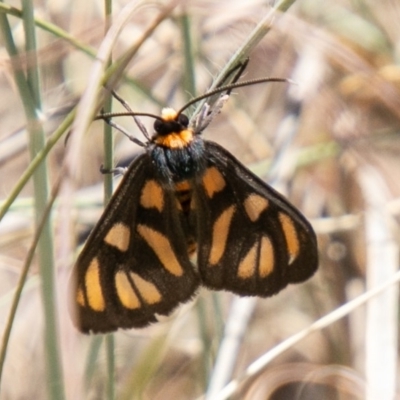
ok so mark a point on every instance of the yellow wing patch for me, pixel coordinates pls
(152, 195)
(118, 236)
(125, 291)
(220, 235)
(162, 248)
(213, 181)
(247, 266)
(147, 289)
(127, 294)
(259, 258)
(291, 237)
(93, 287)
(267, 262)
(254, 206)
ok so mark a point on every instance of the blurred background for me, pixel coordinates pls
(330, 142)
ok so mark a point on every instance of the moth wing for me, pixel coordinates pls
(135, 262)
(251, 240)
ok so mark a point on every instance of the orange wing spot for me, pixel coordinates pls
(118, 236)
(291, 237)
(213, 181)
(266, 265)
(125, 292)
(152, 195)
(220, 235)
(162, 247)
(147, 289)
(93, 287)
(254, 206)
(247, 265)
(182, 186)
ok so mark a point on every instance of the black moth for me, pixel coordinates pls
(184, 197)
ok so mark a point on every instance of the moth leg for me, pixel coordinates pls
(208, 113)
(116, 170)
(121, 129)
(127, 107)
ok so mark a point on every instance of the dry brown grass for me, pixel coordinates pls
(338, 162)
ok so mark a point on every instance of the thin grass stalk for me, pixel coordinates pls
(24, 274)
(189, 76)
(189, 87)
(90, 51)
(235, 328)
(32, 72)
(108, 144)
(20, 79)
(41, 155)
(110, 356)
(91, 360)
(242, 308)
(218, 316)
(146, 366)
(252, 40)
(114, 73)
(201, 314)
(89, 102)
(381, 345)
(88, 106)
(36, 162)
(41, 194)
(51, 28)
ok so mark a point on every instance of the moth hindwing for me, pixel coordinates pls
(185, 195)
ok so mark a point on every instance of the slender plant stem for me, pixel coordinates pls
(189, 80)
(108, 190)
(36, 162)
(29, 93)
(252, 40)
(22, 278)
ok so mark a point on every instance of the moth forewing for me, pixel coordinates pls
(135, 262)
(252, 241)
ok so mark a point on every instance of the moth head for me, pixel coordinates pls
(170, 122)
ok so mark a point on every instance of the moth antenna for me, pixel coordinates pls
(229, 88)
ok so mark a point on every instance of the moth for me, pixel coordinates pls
(186, 213)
